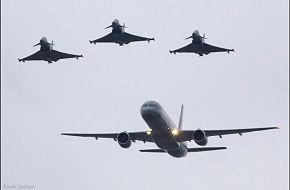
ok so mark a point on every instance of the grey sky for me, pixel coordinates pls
(103, 92)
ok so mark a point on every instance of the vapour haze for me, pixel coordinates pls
(103, 92)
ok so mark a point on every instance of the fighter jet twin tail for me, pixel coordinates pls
(119, 36)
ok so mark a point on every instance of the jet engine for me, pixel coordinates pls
(199, 137)
(124, 140)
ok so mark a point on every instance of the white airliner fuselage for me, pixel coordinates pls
(162, 128)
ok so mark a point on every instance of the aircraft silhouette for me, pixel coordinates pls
(119, 36)
(164, 133)
(46, 53)
(199, 46)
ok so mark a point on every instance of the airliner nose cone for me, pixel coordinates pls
(151, 102)
(150, 106)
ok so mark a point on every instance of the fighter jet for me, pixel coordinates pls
(46, 53)
(198, 46)
(164, 133)
(119, 36)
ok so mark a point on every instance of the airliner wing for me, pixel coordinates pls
(209, 133)
(139, 136)
(187, 135)
(183, 135)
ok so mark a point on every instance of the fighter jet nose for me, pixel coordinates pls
(116, 21)
(43, 39)
(196, 32)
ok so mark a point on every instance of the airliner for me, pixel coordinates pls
(168, 137)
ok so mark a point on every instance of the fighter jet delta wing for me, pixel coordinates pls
(190, 48)
(120, 38)
(200, 49)
(207, 48)
(110, 38)
(133, 38)
(60, 55)
(40, 55)
(49, 56)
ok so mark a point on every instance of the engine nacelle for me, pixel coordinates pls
(124, 140)
(199, 137)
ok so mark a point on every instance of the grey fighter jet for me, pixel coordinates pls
(199, 47)
(165, 134)
(46, 53)
(119, 36)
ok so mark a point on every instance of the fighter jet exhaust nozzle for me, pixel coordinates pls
(124, 139)
(199, 137)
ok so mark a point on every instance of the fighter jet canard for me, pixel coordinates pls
(47, 53)
(166, 135)
(199, 46)
(119, 36)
